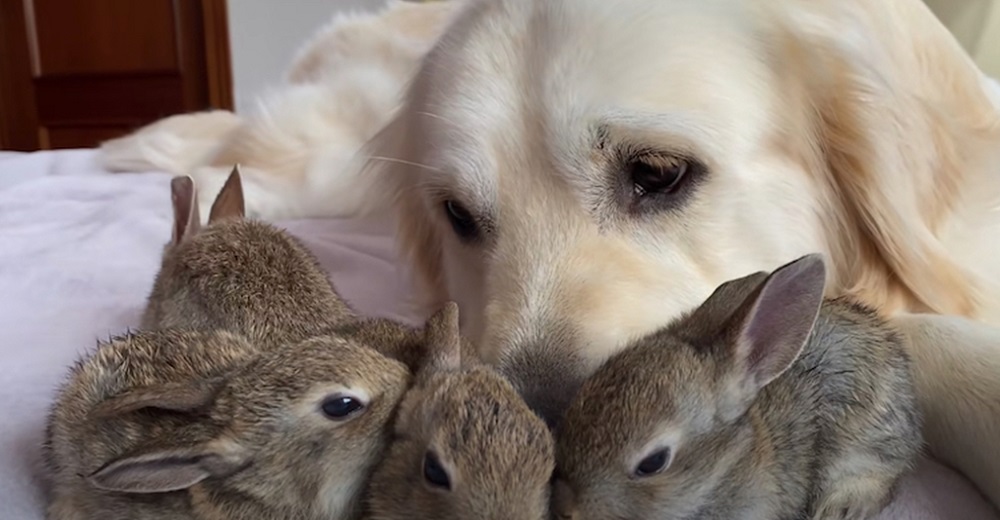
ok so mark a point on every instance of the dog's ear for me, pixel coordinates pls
(896, 116)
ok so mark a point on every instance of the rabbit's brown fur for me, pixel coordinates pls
(497, 455)
(832, 428)
(258, 445)
(77, 443)
(239, 274)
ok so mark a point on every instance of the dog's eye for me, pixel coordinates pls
(657, 175)
(654, 463)
(340, 407)
(434, 473)
(461, 220)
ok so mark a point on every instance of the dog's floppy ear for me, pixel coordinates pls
(898, 120)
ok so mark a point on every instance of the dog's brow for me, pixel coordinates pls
(681, 129)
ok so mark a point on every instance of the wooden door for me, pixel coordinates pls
(76, 72)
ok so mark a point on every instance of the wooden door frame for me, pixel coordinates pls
(18, 112)
(17, 94)
(218, 58)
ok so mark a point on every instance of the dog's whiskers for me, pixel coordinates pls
(435, 116)
(403, 161)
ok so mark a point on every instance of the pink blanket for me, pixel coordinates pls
(78, 252)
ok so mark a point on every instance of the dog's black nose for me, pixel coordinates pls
(547, 379)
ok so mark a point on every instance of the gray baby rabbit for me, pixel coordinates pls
(203, 425)
(239, 274)
(465, 446)
(763, 403)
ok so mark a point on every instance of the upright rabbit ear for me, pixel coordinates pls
(170, 469)
(176, 396)
(706, 320)
(229, 202)
(443, 341)
(768, 331)
(184, 198)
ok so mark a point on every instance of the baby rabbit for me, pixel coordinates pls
(179, 368)
(465, 446)
(764, 403)
(239, 274)
(209, 432)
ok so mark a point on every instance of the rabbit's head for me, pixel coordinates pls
(293, 433)
(655, 430)
(465, 443)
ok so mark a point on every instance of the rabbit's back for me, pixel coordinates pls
(848, 398)
(245, 276)
(854, 367)
(77, 443)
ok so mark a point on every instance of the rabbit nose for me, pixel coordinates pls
(564, 501)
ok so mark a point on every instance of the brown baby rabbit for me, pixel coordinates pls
(239, 274)
(290, 433)
(183, 366)
(764, 403)
(466, 446)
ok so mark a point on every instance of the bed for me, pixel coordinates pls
(78, 251)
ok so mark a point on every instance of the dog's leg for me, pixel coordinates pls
(957, 376)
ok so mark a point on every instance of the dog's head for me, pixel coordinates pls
(575, 174)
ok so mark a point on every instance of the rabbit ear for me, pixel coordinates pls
(184, 198)
(706, 320)
(172, 469)
(443, 341)
(769, 330)
(229, 202)
(175, 396)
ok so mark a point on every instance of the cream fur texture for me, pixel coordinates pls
(297, 149)
(857, 129)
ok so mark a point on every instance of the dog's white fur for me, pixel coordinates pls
(853, 128)
(954, 355)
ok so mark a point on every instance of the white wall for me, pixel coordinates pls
(976, 25)
(265, 34)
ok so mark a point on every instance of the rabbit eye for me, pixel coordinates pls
(340, 407)
(434, 473)
(653, 464)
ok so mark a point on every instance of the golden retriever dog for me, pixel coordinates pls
(577, 173)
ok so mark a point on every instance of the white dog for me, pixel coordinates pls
(576, 173)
